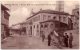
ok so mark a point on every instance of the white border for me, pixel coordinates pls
(31, 49)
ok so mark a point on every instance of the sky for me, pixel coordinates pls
(20, 10)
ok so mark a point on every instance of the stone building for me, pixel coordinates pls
(33, 22)
(4, 21)
(75, 18)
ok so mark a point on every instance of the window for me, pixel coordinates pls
(54, 17)
(77, 18)
(49, 17)
(41, 25)
(78, 12)
(59, 18)
(34, 26)
(46, 25)
(51, 25)
(44, 17)
(39, 17)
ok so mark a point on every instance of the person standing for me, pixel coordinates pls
(43, 36)
(49, 39)
(66, 39)
(70, 40)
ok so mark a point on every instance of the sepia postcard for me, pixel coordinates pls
(39, 24)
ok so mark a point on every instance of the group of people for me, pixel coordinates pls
(67, 39)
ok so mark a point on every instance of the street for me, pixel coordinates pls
(25, 42)
(39, 25)
(17, 41)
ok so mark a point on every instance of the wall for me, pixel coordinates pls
(36, 29)
(48, 29)
(4, 24)
(3, 20)
(75, 18)
(43, 17)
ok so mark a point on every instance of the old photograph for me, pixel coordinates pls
(40, 24)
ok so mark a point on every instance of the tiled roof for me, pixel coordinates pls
(50, 12)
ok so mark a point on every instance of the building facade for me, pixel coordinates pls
(33, 22)
(51, 25)
(4, 22)
(75, 18)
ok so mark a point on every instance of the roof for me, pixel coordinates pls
(57, 22)
(50, 12)
(49, 21)
(3, 7)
